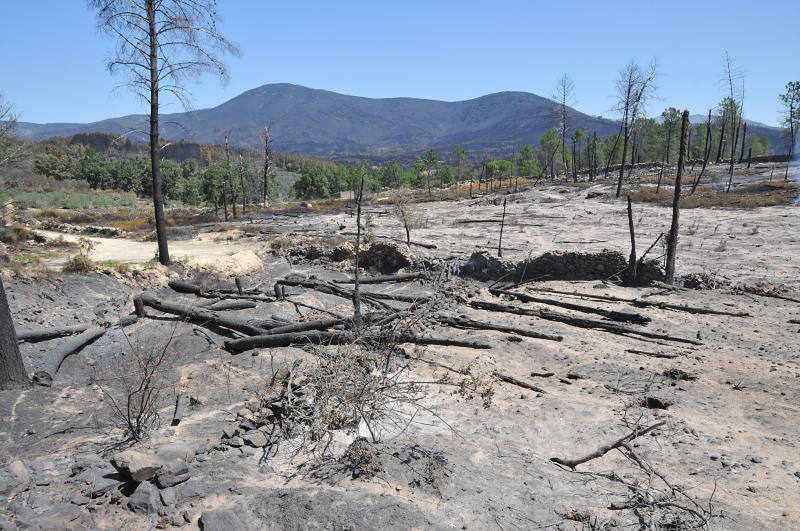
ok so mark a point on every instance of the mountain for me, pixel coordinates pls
(328, 124)
(324, 123)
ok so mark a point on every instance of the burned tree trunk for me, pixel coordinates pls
(502, 224)
(706, 153)
(12, 369)
(632, 258)
(672, 241)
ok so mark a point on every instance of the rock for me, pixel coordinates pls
(169, 496)
(756, 459)
(177, 520)
(18, 470)
(172, 474)
(230, 432)
(79, 499)
(247, 425)
(256, 438)
(220, 520)
(5, 525)
(176, 452)
(136, 465)
(244, 413)
(145, 500)
(99, 480)
(191, 490)
(236, 442)
(63, 516)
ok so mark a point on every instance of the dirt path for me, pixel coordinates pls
(123, 250)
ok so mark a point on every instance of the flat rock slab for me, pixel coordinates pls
(145, 500)
(220, 520)
(139, 466)
(172, 474)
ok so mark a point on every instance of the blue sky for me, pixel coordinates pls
(53, 61)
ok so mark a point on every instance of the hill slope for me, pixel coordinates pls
(328, 124)
(319, 122)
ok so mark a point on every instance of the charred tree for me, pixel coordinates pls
(12, 369)
(672, 241)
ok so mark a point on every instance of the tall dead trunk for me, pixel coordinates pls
(721, 138)
(626, 131)
(706, 153)
(672, 241)
(267, 157)
(241, 183)
(734, 141)
(155, 163)
(356, 292)
(12, 369)
(744, 140)
(632, 258)
(230, 178)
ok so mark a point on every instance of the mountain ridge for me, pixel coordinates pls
(324, 123)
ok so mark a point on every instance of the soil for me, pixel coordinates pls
(730, 404)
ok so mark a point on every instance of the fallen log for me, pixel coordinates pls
(333, 289)
(791, 321)
(444, 342)
(576, 321)
(43, 334)
(127, 320)
(463, 322)
(651, 354)
(226, 305)
(644, 304)
(201, 316)
(515, 381)
(624, 317)
(183, 286)
(181, 403)
(305, 326)
(338, 337)
(603, 450)
(47, 371)
(402, 277)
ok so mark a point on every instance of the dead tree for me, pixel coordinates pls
(357, 250)
(672, 241)
(635, 86)
(161, 44)
(230, 178)
(12, 369)
(267, 163)
(632, 258)
(744, 141)
(706, 153)
(502, 224)
(564, 97)
(732, 75)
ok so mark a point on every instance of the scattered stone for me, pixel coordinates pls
(176, 452)
(230, 432)
(136, 465)
(145, 500)
(220, 520)
(654, 402)
(387, 257)
(236, 442)
(172, 474)
(756, 459)
(80, 499)
(256, 438)
(169, 496)
(244, 413)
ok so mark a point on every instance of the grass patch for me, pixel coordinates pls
(116, 265)
(68, 200)
(14, 235)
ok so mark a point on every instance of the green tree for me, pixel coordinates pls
(790, 116)
(460, 156)
(577, 138)
(549, 144)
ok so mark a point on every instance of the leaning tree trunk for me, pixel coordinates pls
(12, 370)
(155, 166)
(672, 242)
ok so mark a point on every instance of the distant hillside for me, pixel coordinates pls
(328, 124)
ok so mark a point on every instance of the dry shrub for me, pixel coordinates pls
(363, 387)
(81, 262)
(751, 196)
(15, 234)
(134, 386)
